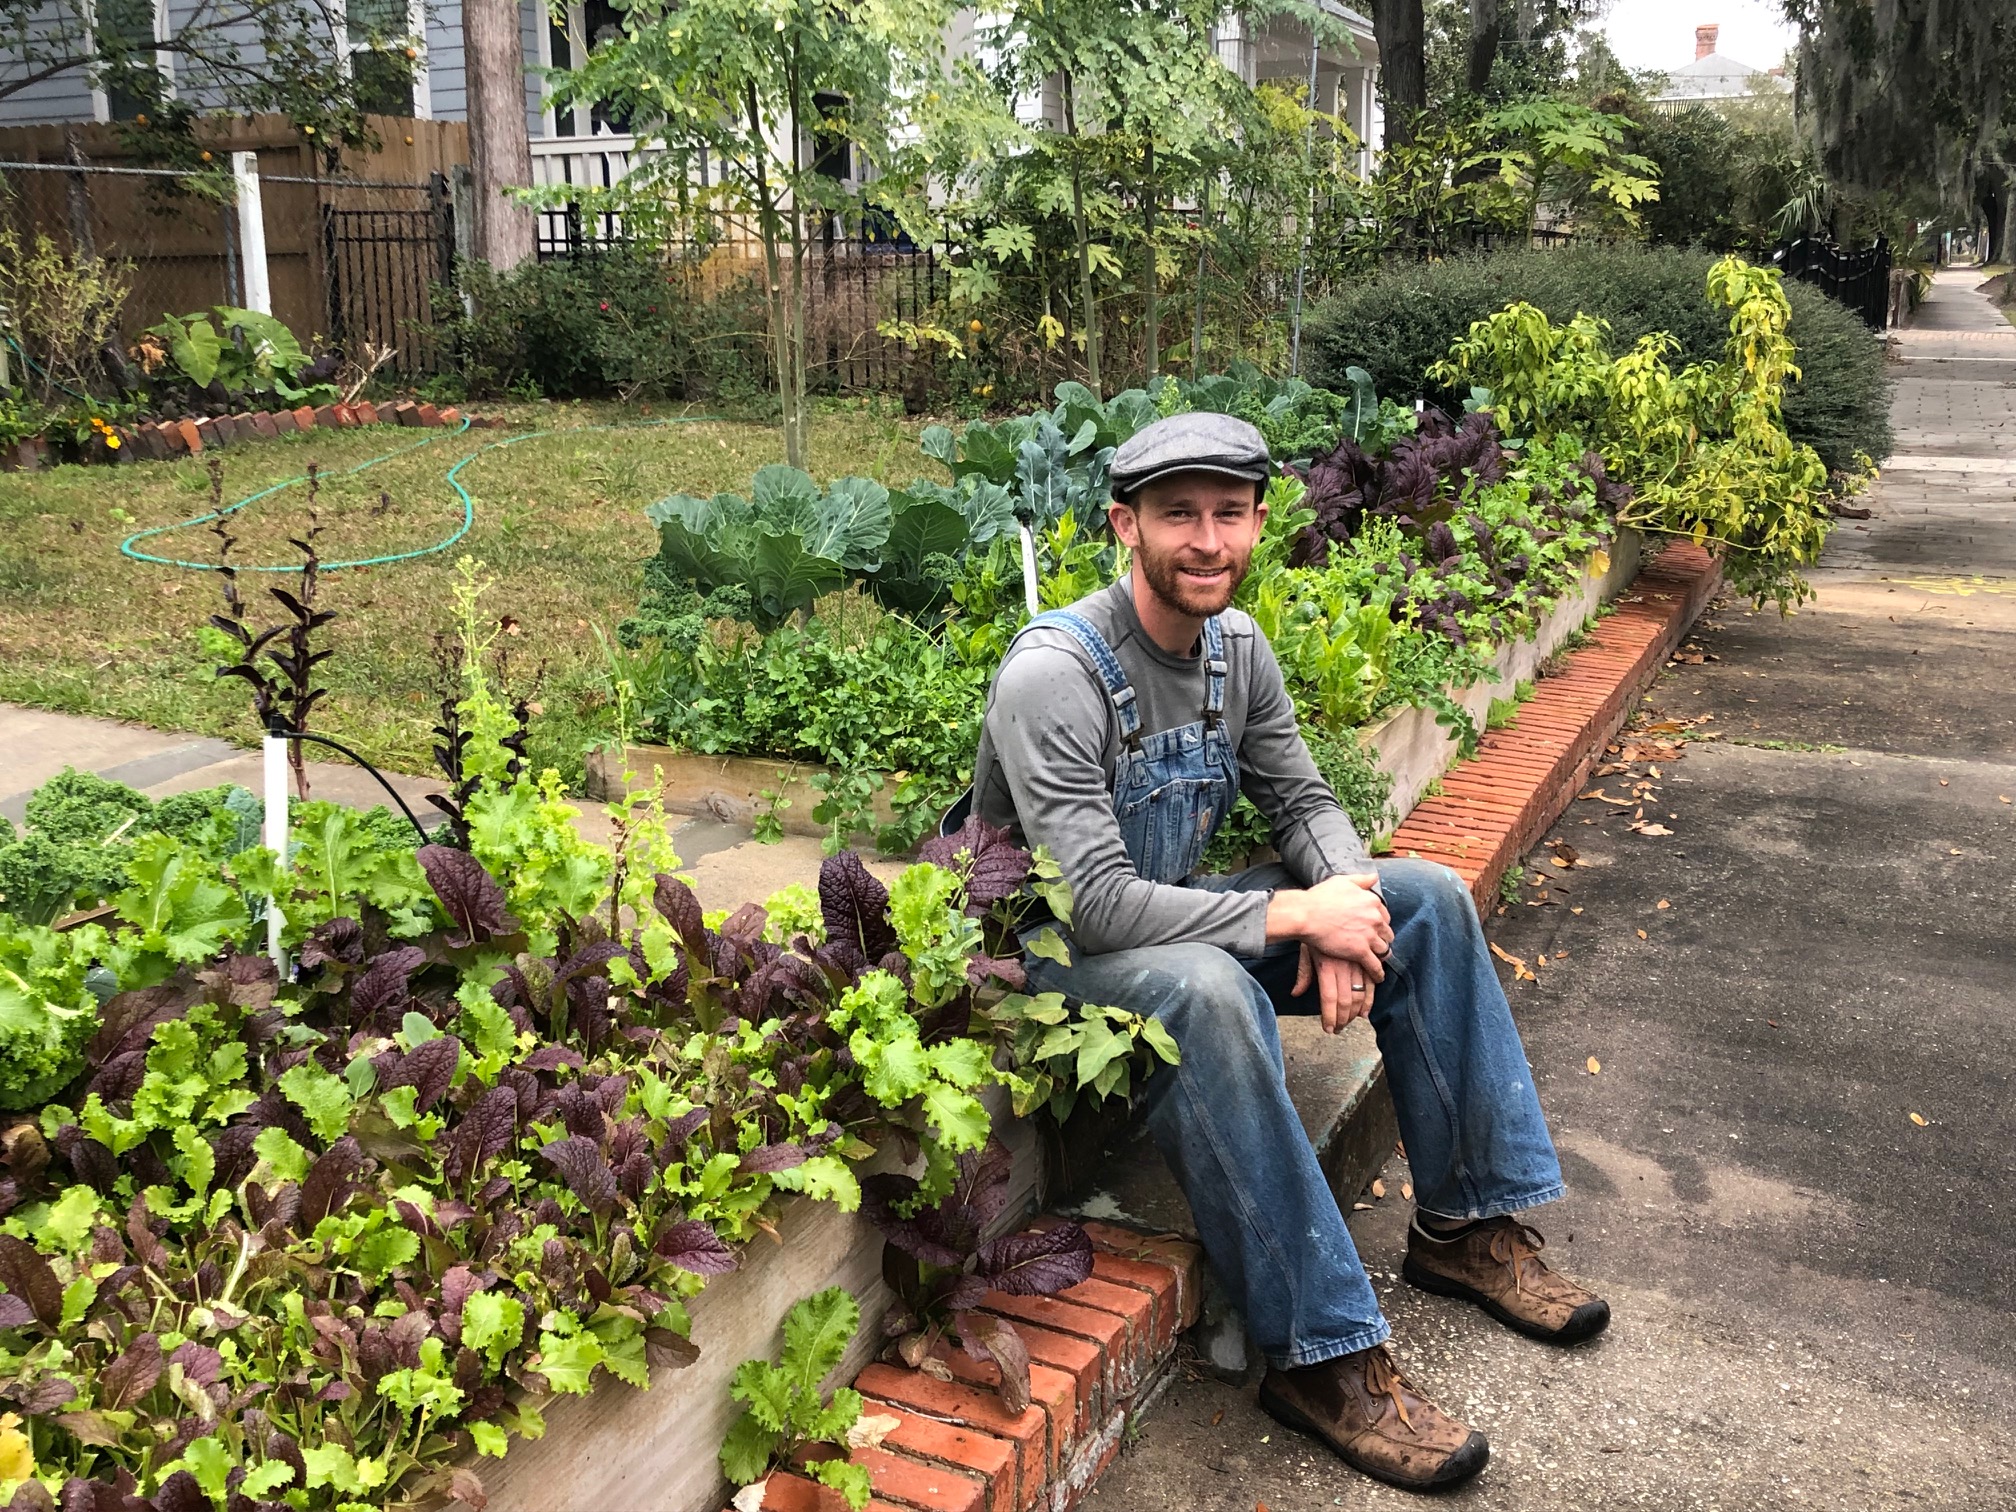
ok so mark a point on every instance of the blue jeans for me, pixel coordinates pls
(1476, 1141)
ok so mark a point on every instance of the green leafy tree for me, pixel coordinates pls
(744, 89)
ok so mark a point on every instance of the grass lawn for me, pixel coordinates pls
(559, 527)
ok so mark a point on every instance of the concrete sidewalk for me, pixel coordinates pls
(1815, 1296)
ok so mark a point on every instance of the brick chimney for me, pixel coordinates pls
(1704, 40)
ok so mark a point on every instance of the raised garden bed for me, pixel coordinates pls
(1412, 746)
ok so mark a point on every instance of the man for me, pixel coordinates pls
(1118, 734)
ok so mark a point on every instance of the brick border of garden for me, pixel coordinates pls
(1099, 1353)
(164, 440)
(1493, 807)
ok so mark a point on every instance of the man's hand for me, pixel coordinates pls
(1342, 988)
(1340, 917)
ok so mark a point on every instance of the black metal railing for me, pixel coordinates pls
(1857, 278)
(387, 246)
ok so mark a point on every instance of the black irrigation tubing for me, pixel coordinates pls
(286, 734)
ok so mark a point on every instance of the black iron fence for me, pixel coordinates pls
(1857, 278)
(386, 247)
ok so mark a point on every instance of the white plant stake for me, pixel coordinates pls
(274, 750)
(1029, 568)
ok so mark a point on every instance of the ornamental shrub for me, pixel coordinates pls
(620, 323)
(1402, 322)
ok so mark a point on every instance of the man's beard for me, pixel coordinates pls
(1165, 576)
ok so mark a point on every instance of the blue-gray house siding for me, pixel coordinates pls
(68, 97)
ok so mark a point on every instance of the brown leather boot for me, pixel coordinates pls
(1497, 1265)
(1376, 1421)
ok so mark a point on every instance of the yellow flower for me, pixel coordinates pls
(111, 441)
(17, 1456)
(206, 157)
(975, 327)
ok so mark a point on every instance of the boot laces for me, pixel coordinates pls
(1383, 1378)
(1513, 1246)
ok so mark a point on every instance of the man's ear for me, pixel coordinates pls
(1125, 523)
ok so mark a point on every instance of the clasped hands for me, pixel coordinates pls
(1345, 933)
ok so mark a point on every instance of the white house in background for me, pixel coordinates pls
(1714, 78)
(586, 146)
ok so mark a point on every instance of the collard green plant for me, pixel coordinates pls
(243, 352)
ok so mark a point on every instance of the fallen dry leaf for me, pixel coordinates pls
(1641, 934)
(1361, 1207)
(1599, 793)
(2003, 797)
(1945, 782)
(1506, 956)
(1664, 903)
(1595, 1066)
(1918, 1119)
(871, 1428)
(935, 1368)
(1407, 1190)
(1574, 909)
(1651, 829)
(1378, 1187)
(1217, 1417)
(750, 1497)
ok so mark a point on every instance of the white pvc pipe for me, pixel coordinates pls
(274, 751)
(252, 232)
(1029, 571)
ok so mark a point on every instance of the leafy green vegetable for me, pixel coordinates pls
(47, 1012)
(785, 1410)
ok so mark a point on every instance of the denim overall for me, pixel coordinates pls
(1171, 789)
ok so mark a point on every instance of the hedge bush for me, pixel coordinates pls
(620, 323)
(1399, 323)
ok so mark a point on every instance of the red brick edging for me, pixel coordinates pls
(1097, 1353)
(159, 440)
(1493, 807)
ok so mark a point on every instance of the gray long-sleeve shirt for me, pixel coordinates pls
(1047, 755)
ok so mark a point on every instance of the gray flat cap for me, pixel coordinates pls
(1200, 442)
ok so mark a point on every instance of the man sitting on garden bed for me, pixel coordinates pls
(1119, 733)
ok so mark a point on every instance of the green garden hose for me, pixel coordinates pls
(129, 548)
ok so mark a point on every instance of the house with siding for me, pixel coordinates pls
(583, 145)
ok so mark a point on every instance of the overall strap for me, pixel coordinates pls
(1214, 672)
(1117, 687)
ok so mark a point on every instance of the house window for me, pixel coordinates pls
(129, 31)
(589, 24)
(832, 153)
(377, 35)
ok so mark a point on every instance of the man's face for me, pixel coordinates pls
(1193, 535)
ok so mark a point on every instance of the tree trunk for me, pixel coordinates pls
(1403, 68)
(1152, 313)
(500, 144)
(798, 441)
(1090, 314)
(770, 227)
(1484, 22)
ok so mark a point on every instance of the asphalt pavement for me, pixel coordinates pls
(1784, 1107)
